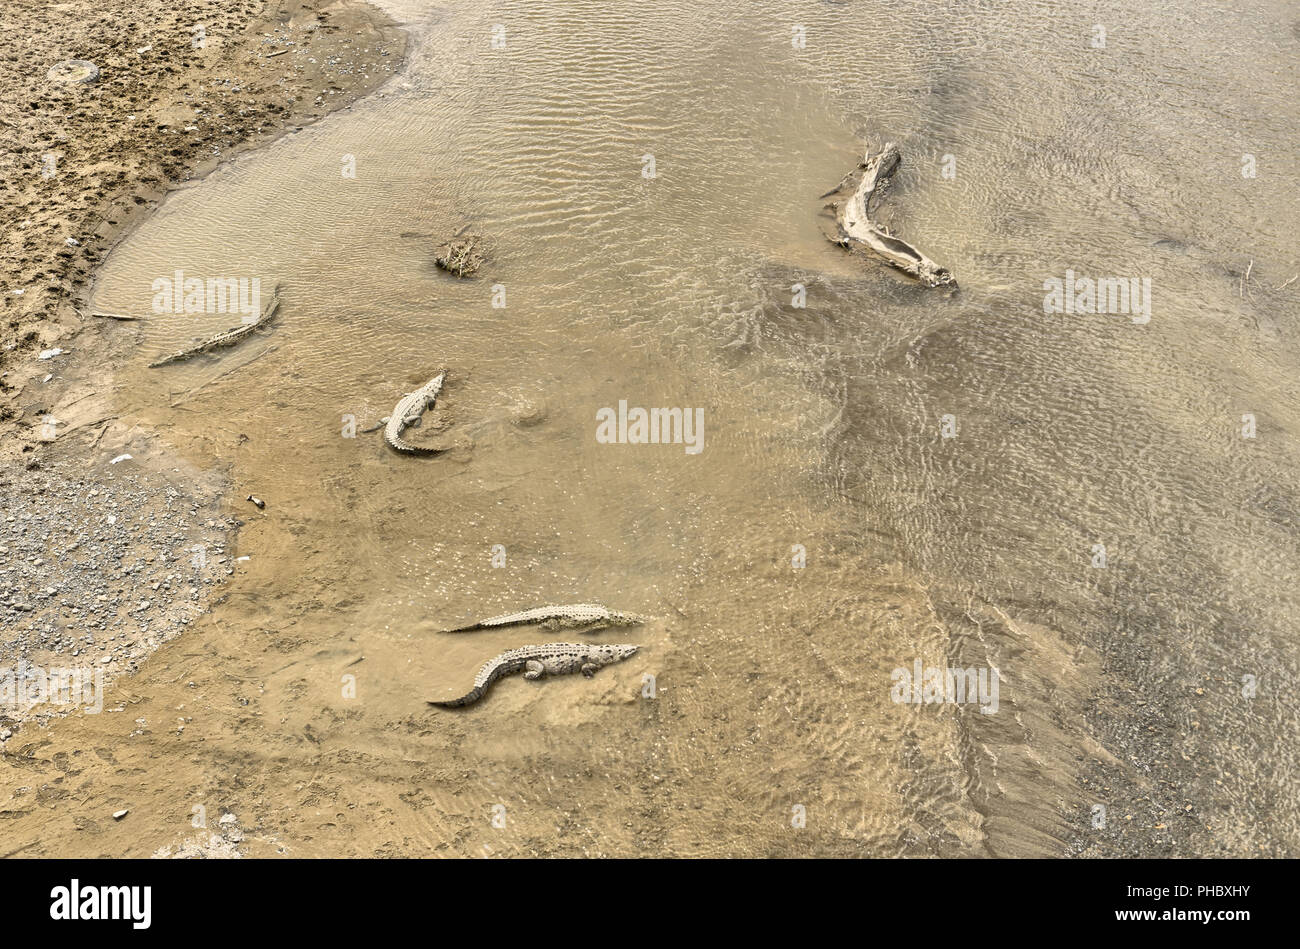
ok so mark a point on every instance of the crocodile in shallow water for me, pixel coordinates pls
(536, 661)
(855, 227)
(556, 617)
(408, 412)
(229, 337)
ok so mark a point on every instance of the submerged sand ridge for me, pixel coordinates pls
(889, 480)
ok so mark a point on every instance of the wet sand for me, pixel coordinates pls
(115, 542)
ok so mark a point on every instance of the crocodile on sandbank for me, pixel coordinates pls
(546, 659)
(556, 617)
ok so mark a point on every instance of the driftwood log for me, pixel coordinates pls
(852, 208)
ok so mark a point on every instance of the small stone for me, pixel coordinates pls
(73, 71)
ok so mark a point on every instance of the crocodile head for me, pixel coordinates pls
(607, 654)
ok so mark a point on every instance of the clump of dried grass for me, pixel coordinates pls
(462, 255)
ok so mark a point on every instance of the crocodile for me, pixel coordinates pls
(556, 617)
(855, 226)
(545, 659)
(408, 412)
(229, 337)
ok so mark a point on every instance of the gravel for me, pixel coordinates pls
(97, 574)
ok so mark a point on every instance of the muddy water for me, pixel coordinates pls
(823, 432)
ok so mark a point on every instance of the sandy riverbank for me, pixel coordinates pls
(103, 555)
(82, 162)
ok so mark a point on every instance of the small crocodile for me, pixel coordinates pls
(408, 412)
(855, 224)
(556, 617)
(546, 659)
(229, 337)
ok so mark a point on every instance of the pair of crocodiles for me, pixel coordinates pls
(409, 409)
(548, 658)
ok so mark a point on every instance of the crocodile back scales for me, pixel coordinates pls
(513, 660)
(413, 403)
(577, 613)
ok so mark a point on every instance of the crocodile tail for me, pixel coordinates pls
(402, 445)
(492, 670)
(472, 696)
(464, 629)
(167, 360)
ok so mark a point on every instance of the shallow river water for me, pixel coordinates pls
(968, 480)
